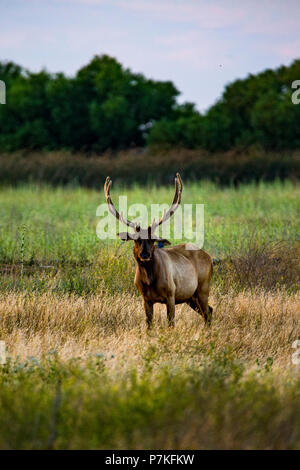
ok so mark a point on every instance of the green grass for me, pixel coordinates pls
(42, 226)
(59, 225)
(75, 405)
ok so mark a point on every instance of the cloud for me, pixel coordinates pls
(265, 17)
(195, 49)
(8, 40)
(198, 44)
(205, 14)
(87, 2)
(289, 50)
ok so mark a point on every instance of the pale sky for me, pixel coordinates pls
(199, 45)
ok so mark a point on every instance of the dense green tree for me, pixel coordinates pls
(275, 121)
(124, 104)
(105, 106)
(185, 130)
(9, 71)
(25, 119)
(69, 114)
(256, 110)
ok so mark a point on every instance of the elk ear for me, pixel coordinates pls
(162, 241)
(125, 236)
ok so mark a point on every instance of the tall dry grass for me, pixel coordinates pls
(232, 386)
(255, 326)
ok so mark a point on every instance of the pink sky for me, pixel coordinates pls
(199, 45)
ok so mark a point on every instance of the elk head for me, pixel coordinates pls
(144, 239)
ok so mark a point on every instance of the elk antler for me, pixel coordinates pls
(174, 206)
(112, 209)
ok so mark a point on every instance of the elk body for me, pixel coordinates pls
(173, 275)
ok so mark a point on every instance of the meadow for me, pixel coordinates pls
(82, 369)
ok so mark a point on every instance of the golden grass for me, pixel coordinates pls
(253, 325)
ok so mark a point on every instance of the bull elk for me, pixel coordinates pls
(169, 276)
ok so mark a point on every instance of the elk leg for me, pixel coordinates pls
(148, 306)
(171, 311)
(206, 309)
(202, 293)
(194, 305)
(199, 303)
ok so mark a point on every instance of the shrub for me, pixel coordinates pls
(234, 167)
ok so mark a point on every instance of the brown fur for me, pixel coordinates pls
(171, 276)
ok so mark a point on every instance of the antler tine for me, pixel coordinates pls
(180, 186)
(111, 207)
(175, 203)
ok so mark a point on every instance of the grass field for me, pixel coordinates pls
(83, 371)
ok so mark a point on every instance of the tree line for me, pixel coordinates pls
(108, 107)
